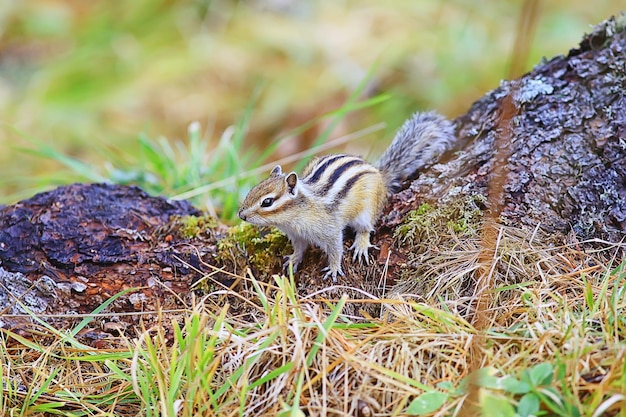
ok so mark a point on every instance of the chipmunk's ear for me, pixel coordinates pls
(292, 181)
(276, 171)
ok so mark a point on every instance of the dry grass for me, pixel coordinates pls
(555, 333)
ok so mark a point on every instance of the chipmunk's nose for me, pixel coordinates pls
(241, 215)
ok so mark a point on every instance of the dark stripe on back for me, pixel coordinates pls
(321, 167)
(336, 174)
(349, 184)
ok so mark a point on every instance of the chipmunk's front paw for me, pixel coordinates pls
(291, 260)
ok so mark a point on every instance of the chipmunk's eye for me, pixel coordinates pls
(267, 202)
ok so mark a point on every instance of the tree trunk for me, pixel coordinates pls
(553, 142)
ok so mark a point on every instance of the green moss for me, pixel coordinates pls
(469, 216)
(416, 224)
(264, 248)
(430, 224)
(190, 227)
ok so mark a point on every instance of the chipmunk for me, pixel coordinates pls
(341, 190)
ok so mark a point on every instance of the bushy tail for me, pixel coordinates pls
(420, 142)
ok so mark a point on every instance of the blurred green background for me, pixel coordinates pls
(89, 90)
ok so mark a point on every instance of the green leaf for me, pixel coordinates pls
(485, 378)
(445, 385)
(541, 374)
(513, 385)
(528, 405)
(496, 406)
(427, 403)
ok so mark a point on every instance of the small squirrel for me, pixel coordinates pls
(336, 191)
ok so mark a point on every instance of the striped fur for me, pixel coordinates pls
(338, 191)
(332, 177)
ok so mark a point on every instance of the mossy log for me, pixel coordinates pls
(544, 151)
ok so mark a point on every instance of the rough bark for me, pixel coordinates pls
(68, 250)
(548, 149)
(562, 164)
